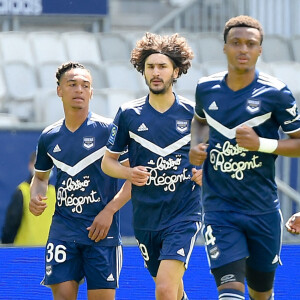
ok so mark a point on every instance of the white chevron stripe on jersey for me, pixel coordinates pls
(88, 160)
(230, 133)
(158, 150)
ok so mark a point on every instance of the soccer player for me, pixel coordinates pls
(81, 241)
(244, 109)
(165, 193)
(293, 224)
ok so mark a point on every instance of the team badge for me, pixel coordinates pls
(182, 126)
(113, 134)
(214, 252)
(48, 270)
(253, 106)
(88, 142)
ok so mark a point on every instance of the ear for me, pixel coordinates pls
(260, 51)
(175, 72)
(224, 48)
(58, 91)
(92, 93)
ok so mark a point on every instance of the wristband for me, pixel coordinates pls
(267, 145)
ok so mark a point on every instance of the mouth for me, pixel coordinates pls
(156, 81)
(78, 99)
(242, 59)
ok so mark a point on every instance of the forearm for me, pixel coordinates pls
(113, 168)
(38, 187)
(288, 147)
(199, 132)
(121, 198)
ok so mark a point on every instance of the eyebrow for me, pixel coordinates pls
(150, 64)
(74, 80)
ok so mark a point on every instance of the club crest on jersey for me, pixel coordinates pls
(253, 106)
(182, 126)
(88, 142)
(113, 134)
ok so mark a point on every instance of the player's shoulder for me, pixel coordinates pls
(54, 127)
(271, 81)
(103, 121)
(212, 79)
(185, 101)
(133, 104)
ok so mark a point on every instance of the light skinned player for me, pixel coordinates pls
(165, 191)
(84, 239)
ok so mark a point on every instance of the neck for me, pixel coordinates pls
(162, 102)
(238, 80)
(75, 118)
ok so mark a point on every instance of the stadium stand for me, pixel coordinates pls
(31, 58)
(276, 48)
(113, 46)
(295, 47)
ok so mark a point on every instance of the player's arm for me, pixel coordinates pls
(112, 167)
(199, 138)
(102, 222)
(38, 190)
(247, 138)
(293, 224)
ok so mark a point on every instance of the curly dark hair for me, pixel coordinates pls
(243, 21)
(173, 46)
(61, 70)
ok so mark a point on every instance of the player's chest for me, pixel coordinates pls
(234, 110)
(72, 149)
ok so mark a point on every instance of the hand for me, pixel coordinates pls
(293, 224)
(100, 226)
(37, 205)
(247, 138)
(198, 154)
(197, 176)
(139, 175)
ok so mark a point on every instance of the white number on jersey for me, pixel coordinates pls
(59, 254)
(209, 237)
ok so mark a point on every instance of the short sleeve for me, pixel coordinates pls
(287, 113)
(199, 106)
(43, 161)
(119, 135)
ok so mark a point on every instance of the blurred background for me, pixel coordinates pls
(36, 36)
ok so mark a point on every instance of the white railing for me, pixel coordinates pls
(277, 16)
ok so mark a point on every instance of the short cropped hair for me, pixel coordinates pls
(243, 21)
(173, 46)
(66, 67)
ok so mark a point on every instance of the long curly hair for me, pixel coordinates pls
(173, 46)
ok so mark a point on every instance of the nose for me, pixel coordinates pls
(243, 47)
(156, 71)
(79, 88)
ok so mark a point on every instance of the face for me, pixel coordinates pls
(242, 48)
(75, 89)
(159, 73)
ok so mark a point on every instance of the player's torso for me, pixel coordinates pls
(160, 142)
(242, 176)
(82, 189)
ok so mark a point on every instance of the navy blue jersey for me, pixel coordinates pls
(233, 177)
(160, 142)
(82, 189)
